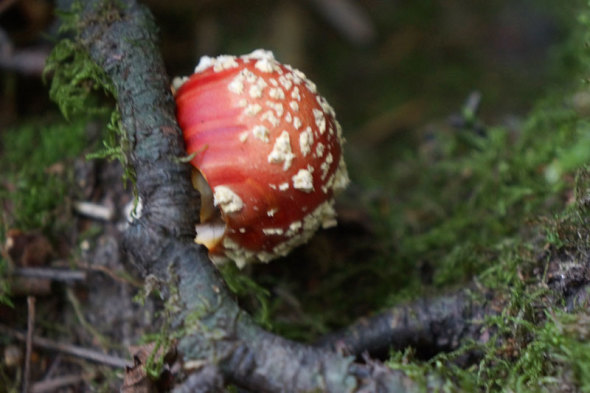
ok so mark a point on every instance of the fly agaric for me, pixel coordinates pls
(267, 153)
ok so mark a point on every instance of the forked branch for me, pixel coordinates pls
(211, 329)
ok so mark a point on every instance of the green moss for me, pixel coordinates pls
(73, 77)
(450, 204)
(552, 356)
(453, 204)
(116, 147)
(491, 205)
(76, 78)
(30, 186)
(478, 192)
(163, 339)
(253, 296)
(36, 173)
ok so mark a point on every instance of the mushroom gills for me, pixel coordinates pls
(211, 229)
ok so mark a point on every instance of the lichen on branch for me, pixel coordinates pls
(75, 79)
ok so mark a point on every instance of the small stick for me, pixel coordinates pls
(26, 61)
(85, 267)
(85, 324)
(52, 367)
(50, 273)
(113, 274)
(54, 384)
(29, 342)
(350, 19)
(94, 210)
(69, 349)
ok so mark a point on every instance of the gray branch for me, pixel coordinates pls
(120, 37)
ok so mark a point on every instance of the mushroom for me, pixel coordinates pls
(267, 155)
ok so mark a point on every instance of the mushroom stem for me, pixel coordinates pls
(209, 234)
(211, 227)
(208, 209)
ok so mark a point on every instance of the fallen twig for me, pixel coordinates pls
(94, 210)
(29, 342)
(69, 349)
(24, 61)
(52, 385)
(118, 276)
(348, 18)
(54, 274)
(104, 342)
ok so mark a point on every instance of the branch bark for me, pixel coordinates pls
(430, 326)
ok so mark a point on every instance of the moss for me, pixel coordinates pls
(458, 204)
(115, 147)
(163, 339)
(36, 173)
(31, 186)
(547, 357)
(73, 77)
(504, 198)
(457, 199)
(492, 202)
(253, 296)
(75, 80)
(450, 203)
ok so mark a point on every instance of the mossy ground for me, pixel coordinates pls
(36, 175)
(440, 205)
(34, 161)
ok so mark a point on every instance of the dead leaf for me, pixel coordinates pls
(136, 379)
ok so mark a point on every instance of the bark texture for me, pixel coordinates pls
(430, 326)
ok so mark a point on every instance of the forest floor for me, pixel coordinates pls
(468, 136)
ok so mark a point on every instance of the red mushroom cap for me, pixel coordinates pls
(270, 149)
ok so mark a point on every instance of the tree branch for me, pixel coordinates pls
(430, 326)
(212, 330)
(121, 40)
